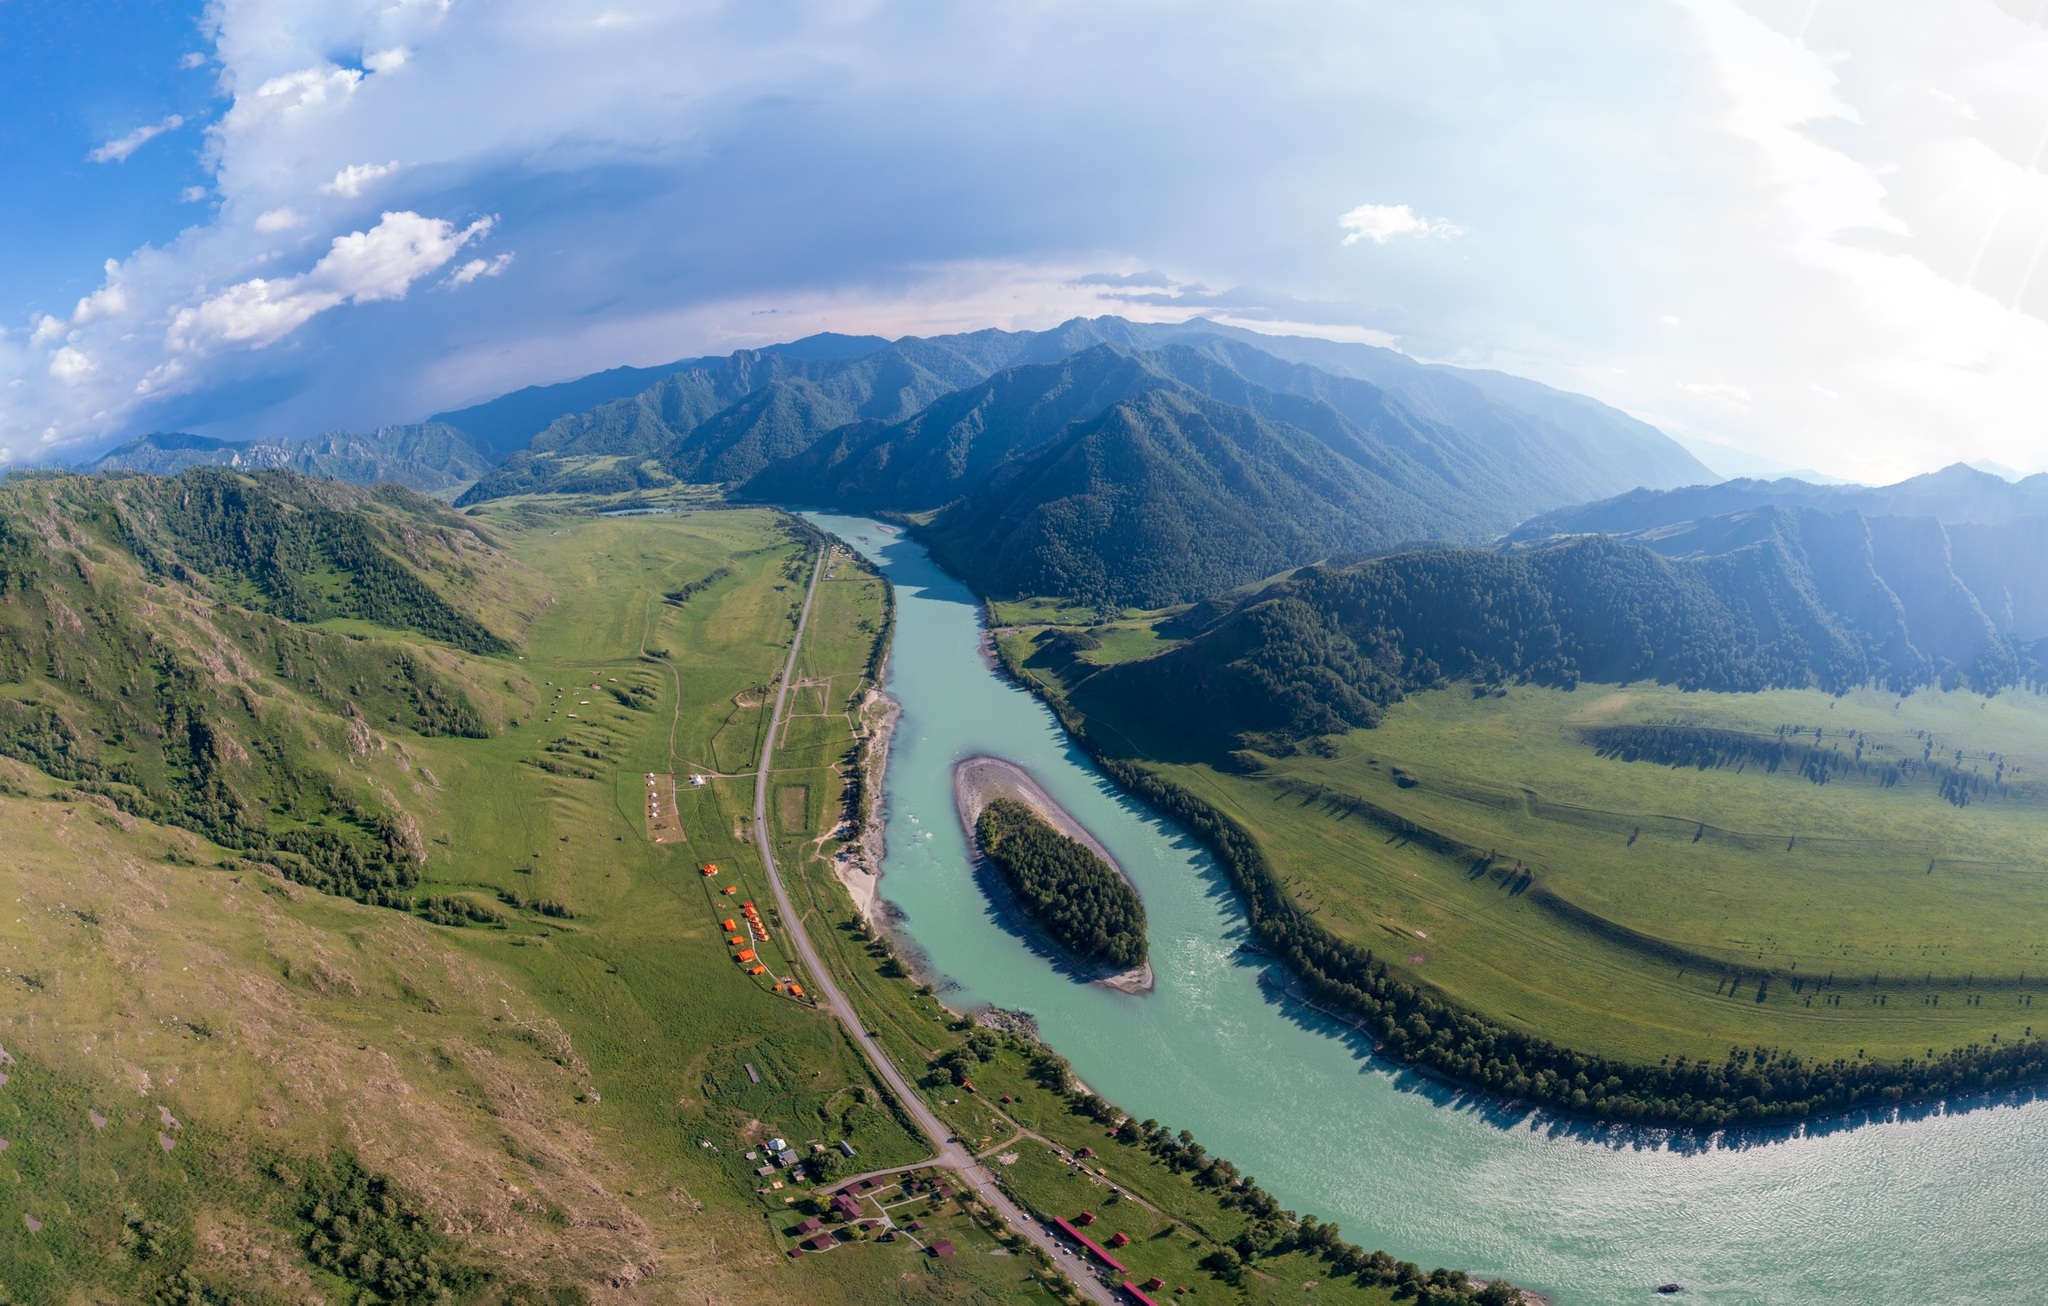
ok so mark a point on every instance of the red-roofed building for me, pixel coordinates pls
(943, 1247)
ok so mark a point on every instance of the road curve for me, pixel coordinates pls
(951, 1154)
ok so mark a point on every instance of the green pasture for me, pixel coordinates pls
(1481, 845)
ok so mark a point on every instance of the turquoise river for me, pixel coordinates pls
(1945, 1206)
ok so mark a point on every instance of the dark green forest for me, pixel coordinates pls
(1079, 899)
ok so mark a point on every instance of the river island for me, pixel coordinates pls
(982, 782)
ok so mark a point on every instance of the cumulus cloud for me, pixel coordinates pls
(1862, 259)
(71, 366)
(350, 181)
(359, 268)
(283, 219)
(117, 151)
(1381, 223)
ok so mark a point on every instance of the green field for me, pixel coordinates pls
(568, 1084)
(1485, 847)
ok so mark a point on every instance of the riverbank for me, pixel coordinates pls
(979, 781)
(1935, 1206)
(858, 865)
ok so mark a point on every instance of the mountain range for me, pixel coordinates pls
(1774, 594)
(429, 457)
(1105, 461)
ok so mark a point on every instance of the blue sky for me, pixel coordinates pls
(1792, 232)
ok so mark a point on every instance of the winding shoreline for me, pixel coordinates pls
(978, 781)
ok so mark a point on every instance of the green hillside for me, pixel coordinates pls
(1164, 499)
(383, 924)
(1330, 648)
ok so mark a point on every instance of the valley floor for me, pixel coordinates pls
(1496, 848)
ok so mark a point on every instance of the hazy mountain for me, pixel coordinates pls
(428, 456)
(506, 424)
(1959, 493)
(1512, 414)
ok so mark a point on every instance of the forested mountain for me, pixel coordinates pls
(913, 424)
(959, 441)
(1765, 600)
(428, 456)
(725, 419)
(1171, 496)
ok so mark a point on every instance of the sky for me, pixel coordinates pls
(1792, 233)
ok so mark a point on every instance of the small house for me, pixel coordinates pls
(845, 1148)
(1153, 1284)
(1085, 1218)
(943, 1248)
(846, 1207)
(1120, 1239)
(822, 1243)
(807, 1227)
(786, 1156)
(746, 954)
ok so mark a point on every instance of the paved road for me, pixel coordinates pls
(951, 1153)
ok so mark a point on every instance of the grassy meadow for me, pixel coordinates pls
(1483, 845)
(556, 1095)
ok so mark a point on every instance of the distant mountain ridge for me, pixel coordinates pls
(428, 456)
(1957, 493)
(1004, 435)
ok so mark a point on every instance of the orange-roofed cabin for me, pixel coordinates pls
(758, 970)
(746, 954)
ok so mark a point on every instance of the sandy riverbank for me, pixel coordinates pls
(979, 781)
(859, 864)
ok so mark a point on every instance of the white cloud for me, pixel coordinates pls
(284, 219)
(1382, 222)
(350, 181)
(362, 267)
(1794, 196)
(71, 366)
(117, 151)
(477, 267)
(304, 88)
(192, 194)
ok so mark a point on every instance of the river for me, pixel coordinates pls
(1943, 1207)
